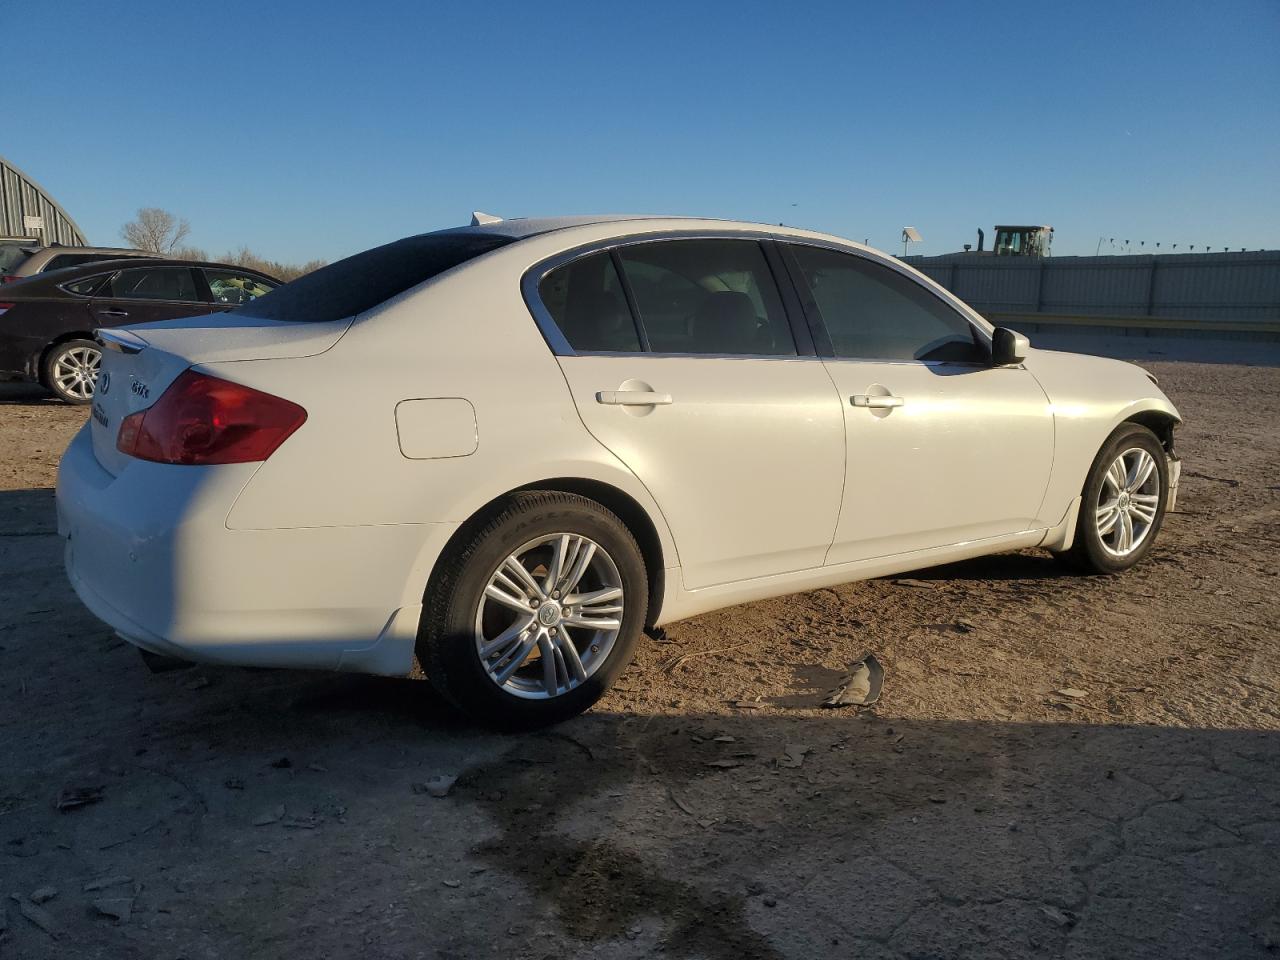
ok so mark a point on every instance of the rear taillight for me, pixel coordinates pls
(5, 308)
(203, 420)
(9, 278)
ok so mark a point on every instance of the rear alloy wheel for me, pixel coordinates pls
(537, 614)
(71, 370)
(1122, 505)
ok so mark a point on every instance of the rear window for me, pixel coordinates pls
(361, 282)
(12, 254)
(64, 260)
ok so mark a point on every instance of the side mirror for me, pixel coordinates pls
(1008, 346)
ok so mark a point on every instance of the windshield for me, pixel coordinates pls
(361, 282)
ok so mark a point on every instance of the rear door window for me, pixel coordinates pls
(153, 283)
(585, 299)
(707, 297)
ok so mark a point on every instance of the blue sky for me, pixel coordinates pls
(315, 129)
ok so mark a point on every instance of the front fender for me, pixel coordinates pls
(1089, 398)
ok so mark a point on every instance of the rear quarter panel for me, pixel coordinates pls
(466, 335)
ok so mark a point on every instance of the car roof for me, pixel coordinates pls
(518, 228)
(57, 250)
(525, 228)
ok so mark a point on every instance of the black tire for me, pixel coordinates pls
(447, 644)
(66, 351)
(1089, 553)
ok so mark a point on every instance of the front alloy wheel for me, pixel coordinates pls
(1122, 504)
(1128, 502)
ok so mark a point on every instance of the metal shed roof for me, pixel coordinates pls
(26, 210)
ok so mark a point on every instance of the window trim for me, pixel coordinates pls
(559, 344)
(826, 349)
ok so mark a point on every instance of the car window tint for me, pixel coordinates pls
(84, 287)
(12, 254)
(228, 286)
(153, 283)
(585, 299)
(873, 312)
(707, 297)
(363, 281)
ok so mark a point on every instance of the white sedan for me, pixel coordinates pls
(498, 454)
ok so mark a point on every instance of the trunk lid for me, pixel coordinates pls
(140, 362)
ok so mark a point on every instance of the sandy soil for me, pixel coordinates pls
(706, 808)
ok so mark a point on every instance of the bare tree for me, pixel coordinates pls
(156, 230)
(244, 257)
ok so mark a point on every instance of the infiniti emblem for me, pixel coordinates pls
(104, 382)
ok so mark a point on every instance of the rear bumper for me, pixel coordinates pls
(149, 553)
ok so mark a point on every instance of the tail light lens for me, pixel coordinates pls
(202, 420)
(5, 308)
(9, 278)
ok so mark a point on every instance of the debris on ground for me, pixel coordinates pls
(1071, 692)
(73, 798)
(284, 763)
(43, 894)
(271, 816)
(861, 686)
(102, 883)
(793, 755)
(1063, 918)
(36, 916)
(438, 786)
(682, 804)
(118, 908)
(233, 783)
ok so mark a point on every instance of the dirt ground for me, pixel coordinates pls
(706, 808)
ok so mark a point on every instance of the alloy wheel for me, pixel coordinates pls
(75, 372)
(549, 616)
(1128, 502)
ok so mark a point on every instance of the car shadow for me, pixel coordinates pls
(292, 813)
(999, 566)
(18, 393)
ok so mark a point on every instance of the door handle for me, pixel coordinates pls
(115, 312)
(875, 402)
(633, 398)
